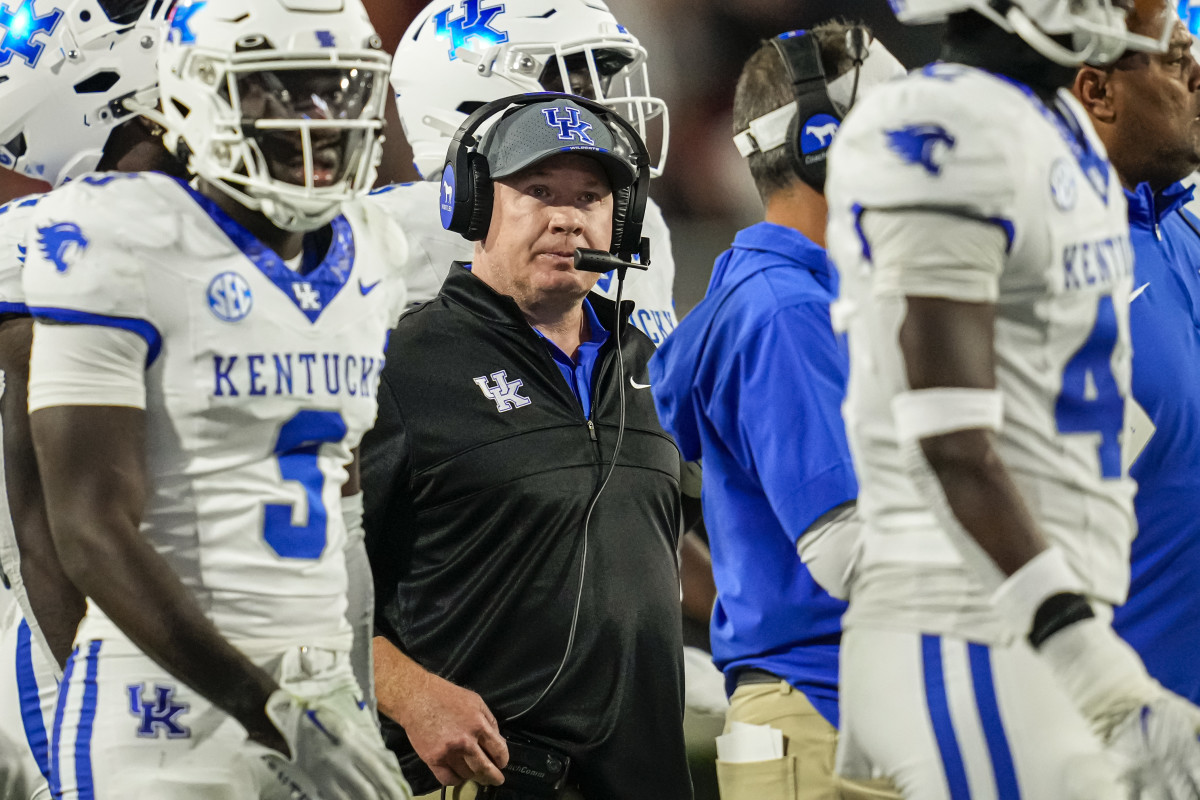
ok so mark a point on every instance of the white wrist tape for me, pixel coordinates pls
(922, 413)
(352, 516)
(1023, 593)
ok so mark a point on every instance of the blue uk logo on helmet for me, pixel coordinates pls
(475, 25)
(921, 144)
(446, 204)
(21, 23)
(181, 17)
(818, 133)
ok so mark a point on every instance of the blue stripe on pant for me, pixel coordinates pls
(30, 700)
(980, 658)
(939, 715)
(87, 717)
(84, 782)
(1007, 787)
(64, 691)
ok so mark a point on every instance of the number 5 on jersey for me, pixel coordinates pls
(296, 449)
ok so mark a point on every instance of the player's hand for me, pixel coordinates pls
(331, 756)
(455, 733)
(1159, 743)
(1151, 729)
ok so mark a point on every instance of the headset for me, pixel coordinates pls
(466, 201)
(810, 132)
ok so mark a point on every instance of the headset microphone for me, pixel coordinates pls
(590, 260)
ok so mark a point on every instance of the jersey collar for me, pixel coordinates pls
(319, 280)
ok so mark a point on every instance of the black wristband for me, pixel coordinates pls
(1056, 613)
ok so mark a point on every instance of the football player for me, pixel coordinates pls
(980, 235)
(62, 88)
(459, 54)
(204, 363)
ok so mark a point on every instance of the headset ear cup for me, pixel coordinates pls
(619, 215)
(795, 156)
(480, 183)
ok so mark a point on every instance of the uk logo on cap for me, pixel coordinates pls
(570, 126)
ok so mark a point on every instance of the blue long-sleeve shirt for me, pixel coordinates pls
(753, 379)
(1162, 616)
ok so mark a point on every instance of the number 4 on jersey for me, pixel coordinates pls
(1090, 401)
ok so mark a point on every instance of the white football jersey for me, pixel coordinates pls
(969, 144)
(15, 218)
(260, 380)
(414, 207)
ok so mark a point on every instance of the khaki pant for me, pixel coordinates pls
(809, 742)
(468, 791)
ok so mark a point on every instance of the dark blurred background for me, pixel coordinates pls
(696, 49)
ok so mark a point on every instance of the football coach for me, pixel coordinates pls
(522, 500)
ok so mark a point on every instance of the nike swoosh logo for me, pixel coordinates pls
(637, 385)
(367, 289)
(1138, 291)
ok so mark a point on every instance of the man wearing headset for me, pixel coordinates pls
(1146, 110)
(756, 357)
(527, 592)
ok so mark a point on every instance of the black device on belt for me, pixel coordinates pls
(534, 771)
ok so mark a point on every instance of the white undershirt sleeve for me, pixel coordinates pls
(86, 365)
(929, 253)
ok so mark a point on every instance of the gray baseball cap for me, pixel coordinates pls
(535, 132)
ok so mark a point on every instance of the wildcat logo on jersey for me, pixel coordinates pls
(229, 297)
(158, 715)
(921, 144)
(505, 394)
(20, 25)
(569, 125)
(474, 25)
(62, 243)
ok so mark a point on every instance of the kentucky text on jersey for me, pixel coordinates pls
(1103, 262)
(257, 374)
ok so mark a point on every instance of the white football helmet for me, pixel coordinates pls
(1097, 27)
(459, 54)
(66, 70)
(279, 103)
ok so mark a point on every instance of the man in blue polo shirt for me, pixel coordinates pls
(1145, 107)
(752, 380)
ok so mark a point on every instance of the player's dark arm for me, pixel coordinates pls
(948, 343)
(56, 603)
(696, 576)
(93, 467)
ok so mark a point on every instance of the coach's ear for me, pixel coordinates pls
(1092, 88)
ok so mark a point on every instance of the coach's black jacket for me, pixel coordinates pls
(474, 519)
